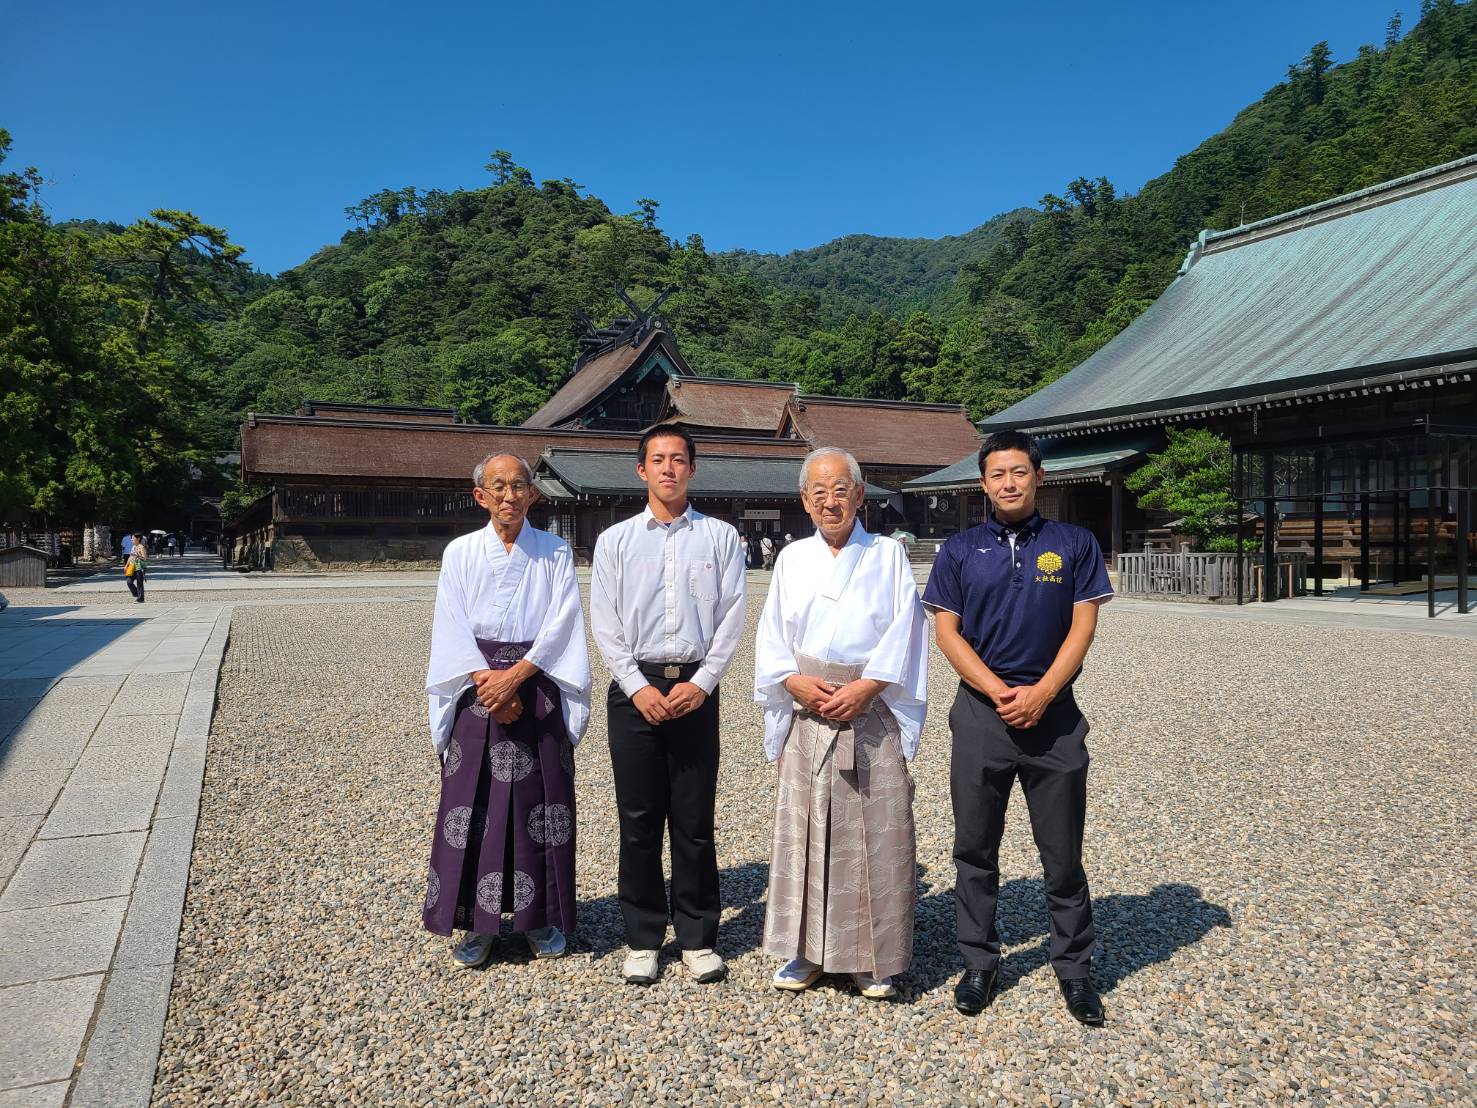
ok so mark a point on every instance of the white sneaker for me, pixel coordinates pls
(796, 974)
(473, 951)
(874, 988)
(704, 965)
(640, 967)
(546, 942)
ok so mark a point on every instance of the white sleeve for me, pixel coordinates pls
(455, 655)
(560, 650)
(605, 620)
(774, 660)
(900, 658)
(728, 624)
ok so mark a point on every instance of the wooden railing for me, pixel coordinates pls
(375, 504)
(1206, 575)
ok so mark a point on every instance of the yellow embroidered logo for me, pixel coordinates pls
(1049, 562)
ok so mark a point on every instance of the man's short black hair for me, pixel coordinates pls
(666, 430)
(1010, 440)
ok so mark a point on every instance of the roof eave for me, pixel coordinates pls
(1319, 386)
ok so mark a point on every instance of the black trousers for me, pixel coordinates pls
(136, 585)
(666, 777)
(1051, 761)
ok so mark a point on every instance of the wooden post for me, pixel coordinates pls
(1240, 530)
(1364, 531)
(1431, 524)
(1269, 527)
(1399, 531)
(1184, 569)
(1116, 480)
(1318, 524)
(1463, 525)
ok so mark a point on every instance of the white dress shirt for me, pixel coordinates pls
(859, 606)
(667, 592)
(526, 594)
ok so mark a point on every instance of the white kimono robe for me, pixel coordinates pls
(525, 594)
(859, 606)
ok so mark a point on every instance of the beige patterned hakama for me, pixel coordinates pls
(842, 883)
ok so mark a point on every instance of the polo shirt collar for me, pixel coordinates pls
(1030, 526)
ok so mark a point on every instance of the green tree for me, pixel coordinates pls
(1191, 478)
(505, 171)
(104, 381)
(170, 247)
(501, 380)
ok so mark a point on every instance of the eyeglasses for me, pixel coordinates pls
(839, 493)
(498, 490)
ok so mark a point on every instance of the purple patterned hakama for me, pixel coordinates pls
(504, 839)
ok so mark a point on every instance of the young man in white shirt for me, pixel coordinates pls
(667, 610)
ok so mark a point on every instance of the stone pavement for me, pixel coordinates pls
(194, 572)
(104, 714)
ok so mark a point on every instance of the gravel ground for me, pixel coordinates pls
(1278, 843)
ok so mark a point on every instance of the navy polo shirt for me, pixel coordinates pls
(1015, 603)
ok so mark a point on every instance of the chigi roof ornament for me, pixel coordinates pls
(624, 330)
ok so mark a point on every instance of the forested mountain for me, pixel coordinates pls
(1052, 294)
(866, 273)
(471, 298)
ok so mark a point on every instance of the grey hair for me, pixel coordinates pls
(481, 466)
(826, 452)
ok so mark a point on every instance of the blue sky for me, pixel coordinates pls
(770, 126)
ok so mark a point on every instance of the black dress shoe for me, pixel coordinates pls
(974, 991)
(1082, 1001)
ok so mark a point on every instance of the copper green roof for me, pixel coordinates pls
(1060, 461)
(1377, 282)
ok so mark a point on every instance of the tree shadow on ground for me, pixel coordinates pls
(1133, 932)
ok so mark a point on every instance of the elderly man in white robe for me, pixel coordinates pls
(509, 687)
(841, 668)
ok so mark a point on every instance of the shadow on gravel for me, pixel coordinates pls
(1133, 932)
(601, 930)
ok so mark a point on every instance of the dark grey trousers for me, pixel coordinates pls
(1051, 761)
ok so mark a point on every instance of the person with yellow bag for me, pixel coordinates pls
(135, 567)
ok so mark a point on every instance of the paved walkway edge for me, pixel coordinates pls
(122, 1050)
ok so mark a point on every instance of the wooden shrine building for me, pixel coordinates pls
(1336, 347)
(356, 483)
(1077, 477)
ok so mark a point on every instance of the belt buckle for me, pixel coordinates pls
(671, 672)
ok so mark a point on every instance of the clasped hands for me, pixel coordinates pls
(841, 703)
(497, 690)
(683, 697)
(1021, 706)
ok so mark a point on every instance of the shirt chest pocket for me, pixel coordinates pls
(702, 580)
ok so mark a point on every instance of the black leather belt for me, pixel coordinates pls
(671, 671)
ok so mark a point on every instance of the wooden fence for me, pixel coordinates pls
(1208, 576)
(375, 505)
